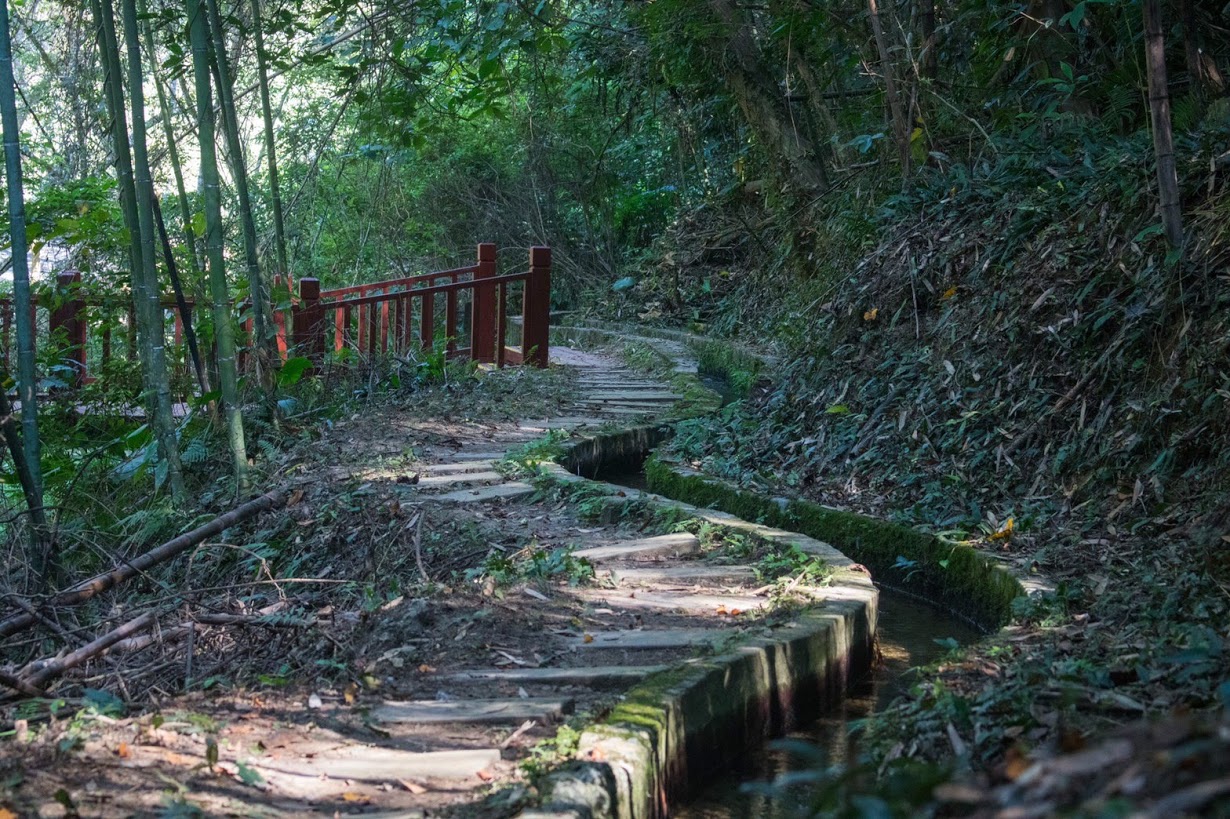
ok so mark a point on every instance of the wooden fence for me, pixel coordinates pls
(466, 312)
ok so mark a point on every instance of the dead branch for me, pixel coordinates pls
(87, 589)
(20, 685)
(55, 668)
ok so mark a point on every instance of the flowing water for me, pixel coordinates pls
(908, 632)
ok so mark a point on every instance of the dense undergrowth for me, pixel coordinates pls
(1006, 354)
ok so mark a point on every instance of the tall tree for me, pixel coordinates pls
(164, 418)
(224, 333)
(897, 116)
(271, 147)
(262, 343)
(25, 448)
(1163, 137)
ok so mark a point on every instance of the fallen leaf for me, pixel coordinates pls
(486, 777)
(1005, 531)
(355, 797)
(414, 787)
(351, 693)
(871, 314)
(427, 669)
(123, 752)
(948, 294)
(295, 497)
(589, 638)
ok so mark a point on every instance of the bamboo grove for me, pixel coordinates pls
(206, 151)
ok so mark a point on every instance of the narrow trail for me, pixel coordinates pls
(457, 689)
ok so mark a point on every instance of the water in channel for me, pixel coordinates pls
(908, 633)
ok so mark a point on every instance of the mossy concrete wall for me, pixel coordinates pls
(955, 577)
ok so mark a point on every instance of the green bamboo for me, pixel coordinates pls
(262, 343)
(177, 169)
(275, 192)
(224, 334)
(30, 443)
(164, 417)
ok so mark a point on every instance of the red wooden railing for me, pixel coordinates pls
(391, 317)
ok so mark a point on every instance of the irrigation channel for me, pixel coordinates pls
(911, 634)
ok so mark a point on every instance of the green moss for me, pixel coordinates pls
(736, 366)
(955, 577)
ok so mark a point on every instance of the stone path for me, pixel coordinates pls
(422, 738)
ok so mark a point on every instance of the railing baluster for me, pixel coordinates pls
(501, 312)
(427, 325)
(384, 326)
(450, 320)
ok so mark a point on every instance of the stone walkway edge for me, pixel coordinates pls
(681, 725)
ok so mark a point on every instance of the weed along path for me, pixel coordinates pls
(494, 617)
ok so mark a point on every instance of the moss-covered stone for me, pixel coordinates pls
(955, 577)
(736, 366)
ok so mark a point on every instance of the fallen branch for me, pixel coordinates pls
(55, 668)
(20, 685)
(93, 586)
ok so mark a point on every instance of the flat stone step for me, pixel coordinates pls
(477, 465)
(650, 548)
(631, 396)
(505, 491)
(430, 712)
(457, 478)
(599, 676)
(701, 575)
(370, 764)
(672, 601)
(647, 640)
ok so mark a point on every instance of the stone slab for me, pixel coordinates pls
(650, 548)
(371, 764)
(684, 575)
(513, 489)
(430, 712)
(455, 478)
(672, 601)
(648, 640)
(476, 465)
(598, 676)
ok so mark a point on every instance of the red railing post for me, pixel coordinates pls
(482, 313)
(536, 320)
(69, 317)
(308, 322)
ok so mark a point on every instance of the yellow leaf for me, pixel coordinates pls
(589, 638)
(1005, 531)
(355, 797)
(351, 693)
(948, 294)
(5, 813)
(871, 314)
(426, 669)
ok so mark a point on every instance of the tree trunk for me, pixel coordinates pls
(761, 99)
(164, 418)
(181, 303)
(27, 384)
(1163, 138)
(262, 327)
(900, 125)
(931, 57)
(177, 168)
(275, 192)
(224, 333)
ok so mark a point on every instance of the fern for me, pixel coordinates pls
(196, 452)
